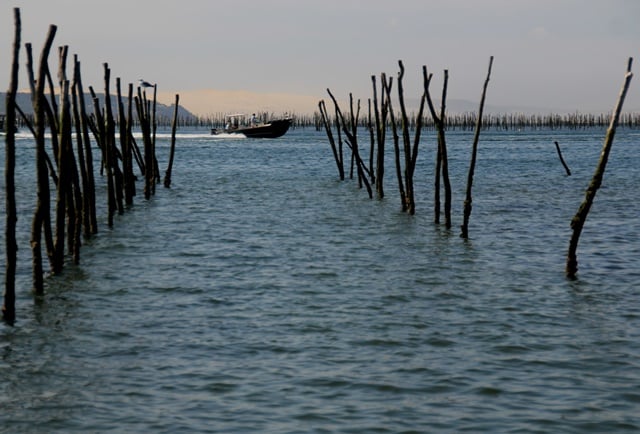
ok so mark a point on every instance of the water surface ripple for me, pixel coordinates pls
(261, 294)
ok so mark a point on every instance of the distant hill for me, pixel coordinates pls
(163, 111)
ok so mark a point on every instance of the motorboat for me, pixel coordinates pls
(237, 124)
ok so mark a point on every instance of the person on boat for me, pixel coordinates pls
(254, 120)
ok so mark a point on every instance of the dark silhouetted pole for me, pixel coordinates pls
(9, 302)
(566, 168)
(174, 126)
(577, 223)
(467, 202)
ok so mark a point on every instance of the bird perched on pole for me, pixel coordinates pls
(145, 83)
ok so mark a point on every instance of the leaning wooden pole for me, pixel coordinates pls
(9, 302)
(577, 223)
(441, 168)
(91, 219)
(41, 213)
(172, 151)
(386, 86)
(564, 164)
(327, 126)
(467, 202)
(352, 139)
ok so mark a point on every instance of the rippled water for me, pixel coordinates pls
(261, 294)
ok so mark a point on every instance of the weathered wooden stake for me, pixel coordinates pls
(352, 139)
(467, 202)
(442, 159)
(132, 150)
(46, 163)
(71, 186)
(410, 152)
(41, 213)
(89, 209)
(372, 142)
(9, 296)
(577, 223)
(387, 85)
(566, 168)
(64, 135)
(380, 134)
(143, 116)
(174, 126)
(327, 126)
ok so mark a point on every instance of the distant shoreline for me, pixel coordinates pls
(210, 106)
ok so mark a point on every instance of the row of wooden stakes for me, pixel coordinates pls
(66, 159)
(382, 118)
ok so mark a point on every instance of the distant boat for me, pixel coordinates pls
(236, 124)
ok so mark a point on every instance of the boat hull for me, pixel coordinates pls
(272, 130)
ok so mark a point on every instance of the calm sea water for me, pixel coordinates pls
(261, 294)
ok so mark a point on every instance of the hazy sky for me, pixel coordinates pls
(556, 54)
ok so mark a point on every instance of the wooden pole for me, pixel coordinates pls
(468, 199)
(143, 116)
(327, 126)
(442, 159)
(41, 213)
(9, 296)
(414, 152)
(352, 140)
(91, 219)
(154, 126)
(71, 186)
(577, 223)
(387, 85)
(131, 151)
(372, 141)
(174, 125)
(406, 141)
(410, 152)
(566, 168)
(124, 144)
(378, 180)
(109, 150)
(64, 134)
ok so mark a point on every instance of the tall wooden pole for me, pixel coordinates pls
(41, 213)
(467, 202)
(577, 223)
(9, 303)
(91, 219)
(174, 126)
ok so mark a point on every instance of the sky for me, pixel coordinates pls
(550, 55)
